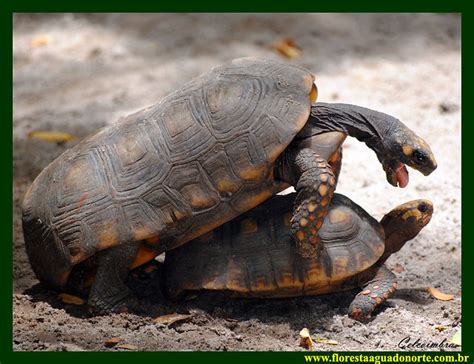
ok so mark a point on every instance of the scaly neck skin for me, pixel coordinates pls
(396, 235)
(366, 125)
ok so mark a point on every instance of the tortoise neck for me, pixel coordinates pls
(396, 235)
(366, 125)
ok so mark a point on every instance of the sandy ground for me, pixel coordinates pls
(76, 73)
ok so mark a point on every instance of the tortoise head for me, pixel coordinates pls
(403, 223)
(404, 147)
(394, 143)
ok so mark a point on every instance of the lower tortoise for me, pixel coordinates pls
(253, 255)
(218, 147)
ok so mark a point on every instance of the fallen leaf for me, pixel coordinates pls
(305, 339)
(287, 48)
(40, 41)
(440, 328)
(456, 339)
(439, 295)
(325, 341)
(70, 299)
(171, 318)
(398, 268)
(51, 136)
(112, 342)
(127, 346)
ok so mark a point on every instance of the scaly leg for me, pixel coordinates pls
(374, 293)
(315, 187)
(109, 292)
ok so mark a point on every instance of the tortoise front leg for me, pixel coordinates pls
(109, 292)
(373, 294)
(315, 187)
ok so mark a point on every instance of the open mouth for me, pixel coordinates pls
(401, 173)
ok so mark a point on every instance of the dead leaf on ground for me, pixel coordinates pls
(456, 339)
(171, 318)
(398, 268)
(305, 339)
(51, 136)
(112, 342)
(439, 295)
(70, 299)
(440, 328)
(287, 48)
(40, 41)
(127, 347)
(325, 341)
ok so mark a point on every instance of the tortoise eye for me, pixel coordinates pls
(422, 207)
(419, 156)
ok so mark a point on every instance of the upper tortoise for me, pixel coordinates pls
(221, 145)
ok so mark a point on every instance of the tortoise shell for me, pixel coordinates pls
(254, 254)
(171, 172)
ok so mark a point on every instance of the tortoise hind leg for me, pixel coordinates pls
(109, 292)
(373, 294)
(315, 188)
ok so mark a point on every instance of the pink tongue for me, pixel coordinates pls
(402, 176)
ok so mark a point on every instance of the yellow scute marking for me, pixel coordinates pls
(227, 186)
(315, 275)
(77, 174)
(286, 280)
(340, 267)
(235, 280)
(201, 201)
(248, 226)
(274, 153)
(179, 215)
(336, 216)
(141, 233)
(108, 237)
(260, 284)
(251, 174)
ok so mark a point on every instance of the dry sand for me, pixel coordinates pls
(85, 71)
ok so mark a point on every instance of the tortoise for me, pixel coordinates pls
(253, 255)
(221, 145)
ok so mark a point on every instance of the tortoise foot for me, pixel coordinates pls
(109, 293)
(373, 294)
(127, 303)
